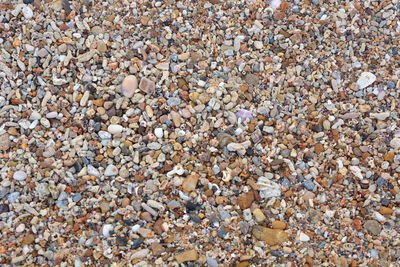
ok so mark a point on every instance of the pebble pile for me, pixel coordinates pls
(201, 133)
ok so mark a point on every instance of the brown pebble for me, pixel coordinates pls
(245, 200)
(278, 225)
(386, 211)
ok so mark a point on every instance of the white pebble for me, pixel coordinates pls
(395, 143)
(159, 132)
(35, 115)
(92, 171)
(107, 228)
(115, 129)
(19, 175)
(27, 11)
(366, 79)
(111, 170)
(303, 237)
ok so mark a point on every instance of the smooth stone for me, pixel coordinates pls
(173, 101)
(129, 85)
(27, 12)
(106, 231)
(380, 116)
(189, 184)
(272, 237)
(92, 171)
(111, 170)
(245, 200)
(373, 227)
(13, 197)
(140, 254)
(212, 262)
(115, 129)
(43, 52)
(303, 237)
(20, 175)
(35, 115)
(395, 143)
(189, 255)
(104, 135)
(366, 79)
(51, 115)
(147, 85)
(159, 132)
(154, 146)
(259, 215)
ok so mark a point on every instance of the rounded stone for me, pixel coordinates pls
(159, 132)
(129, 85)
(19, 175)
(115, 129)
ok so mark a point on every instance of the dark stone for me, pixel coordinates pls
(277, 253)
(27, 2)
(190, 206)
(77, 166)
(194, 217)
(309, 185)
(122, 241)
(4, 208)
(317, 128)
(136, 243)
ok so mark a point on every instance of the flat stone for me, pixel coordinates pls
(259, 215)
(19, 175)
(4, 142)
(278, 225)
(189, 255)
(380, 116)
(111, 170)
(303, 237)
(272, 237)
(190, 182)
(245, 200)
(366, 79)
(147, 85)
(395, 143)
(373, 227)
(159, 132)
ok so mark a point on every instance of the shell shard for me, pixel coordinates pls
(268, 188)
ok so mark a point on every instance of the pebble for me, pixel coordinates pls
(373, 227)
(303, 237)
(259, 215)
(188, 255)
(111, 170)
(190, 182)
(395, 143)
(212, 262)
(159, 132)
(272, 237)
(140, 254)
(366, 79)
(129, 86)
(20, 175)
(147, 85)
(92, 171)
(115, 129)
(106, 231)
(27, 12)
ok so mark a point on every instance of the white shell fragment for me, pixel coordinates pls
(268, 188)
(366, 79)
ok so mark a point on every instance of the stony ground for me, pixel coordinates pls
(200, 133)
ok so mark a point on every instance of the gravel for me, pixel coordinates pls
(219, 133)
